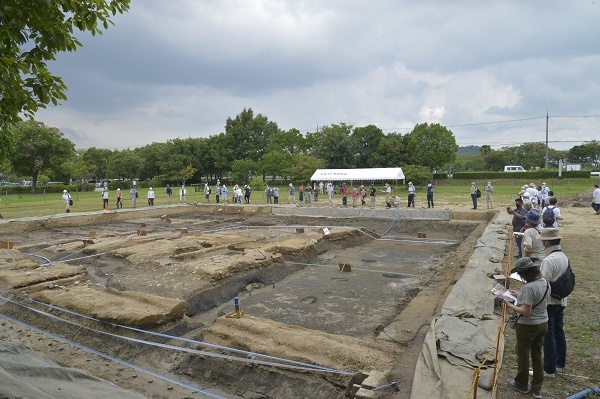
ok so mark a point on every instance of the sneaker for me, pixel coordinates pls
(546, 375)
(537, 394)
(560, 370)
(513, 384)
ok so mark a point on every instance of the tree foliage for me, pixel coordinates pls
(39, 148)
(334, 145)
(31, 34)
(432, 145)
(587, 154)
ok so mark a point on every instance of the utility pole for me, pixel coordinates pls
(546, 163)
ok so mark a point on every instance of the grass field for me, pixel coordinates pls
(447, 192)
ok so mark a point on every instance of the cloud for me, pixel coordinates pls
(180, 68)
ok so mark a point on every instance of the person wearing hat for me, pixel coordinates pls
(430, 188)
(545, 192)
(531, 244)
(489, 195)
(292, 194)
(363, 195)
(119, 198)
(388, 195)
(532, 325)
(474, 195)
(66, 198)
(411, 195)
(533, 195)
(518, 222)
(151, 196)
(553, 266)
(105, 198)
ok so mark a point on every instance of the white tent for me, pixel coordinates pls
(366, 174)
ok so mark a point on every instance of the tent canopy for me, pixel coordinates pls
(358, 174)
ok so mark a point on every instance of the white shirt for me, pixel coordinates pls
(150, 194)
(411, 189)
(556, 214)
(596, 196)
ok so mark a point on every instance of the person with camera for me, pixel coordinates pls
(532, 325)
(518, 222)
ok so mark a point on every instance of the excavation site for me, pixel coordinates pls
(244, 301)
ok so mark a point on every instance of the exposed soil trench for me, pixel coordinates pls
(296, 302)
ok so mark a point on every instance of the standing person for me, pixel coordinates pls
(119, 198)
(66, 198)
(596, 199)
(235, 194)
(532, 325)
(292, 194)
(322, 188)
(553, 266)
(388, 195)
(182, 193)
(308, 193)
(240, 195)
(330, 194)
(533, 195)
(518, 221)
(411, 195)
(373, 195)
(489, 195)
(217, 192)
(169, 192)
(363, 195)
(430, 188)
(276, 195)
(316, 191)
(531, 244)
(545, 191)
(247, 192)
(344, 191)
(551, 214)
(206, 192)
(105, 198)
(151, 196)
(301, 193)
(224, 193)
(474, 195)
(268, 193)
(133, 196)
(354, 197)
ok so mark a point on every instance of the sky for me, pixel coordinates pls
(488, 71)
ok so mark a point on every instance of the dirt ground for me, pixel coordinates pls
(296, 303)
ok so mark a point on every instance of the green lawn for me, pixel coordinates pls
(447, 192)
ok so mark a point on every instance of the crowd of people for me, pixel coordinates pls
(540, 336)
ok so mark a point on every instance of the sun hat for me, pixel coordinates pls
(489, 183)
(550, 233)
(150, 188)
(64, 191)
(118, 189)
(532, 217)
(543, 184)
(473, 183)
(524, 264)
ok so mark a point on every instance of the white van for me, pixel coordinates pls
(514, 168)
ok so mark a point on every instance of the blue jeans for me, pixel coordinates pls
(474, 198)
(555, 342)
(519, 240)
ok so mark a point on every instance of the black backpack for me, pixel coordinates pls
(478, 193)
(549, 217)
(564, 285)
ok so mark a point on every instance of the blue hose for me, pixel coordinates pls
(582, 394)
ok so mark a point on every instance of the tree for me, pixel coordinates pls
(587, 154)
(334, 145)
(390, 152)
(304, 167)
(125, 164)
(241, 170)
(39, 148)
(431, 145)
(366, 140)
(96, 161)
(247, 136)
(31, 34)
